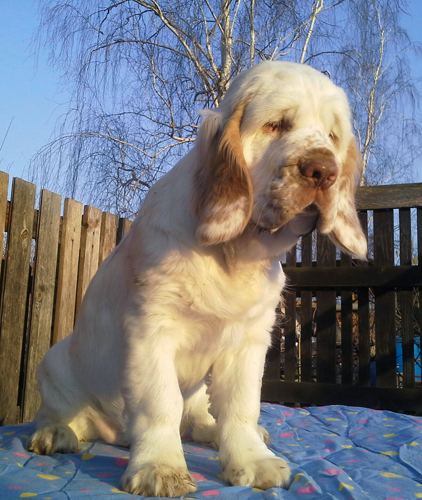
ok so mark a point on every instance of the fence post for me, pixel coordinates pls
(108, 235)
(15, 294)
(385, 303)
(326, 316)
(90, 250)
(41, 321)
(68, 270)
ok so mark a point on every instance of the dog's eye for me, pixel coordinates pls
(333, 137)
(283, 125)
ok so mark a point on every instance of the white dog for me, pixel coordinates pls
(194, 285)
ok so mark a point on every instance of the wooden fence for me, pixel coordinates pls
(320, 355)
(47, 265)
(344, 320)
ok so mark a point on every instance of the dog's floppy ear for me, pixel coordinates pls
(346, 232)
(223, 187)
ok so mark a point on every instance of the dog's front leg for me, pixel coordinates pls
(235, 404)
(154, 407)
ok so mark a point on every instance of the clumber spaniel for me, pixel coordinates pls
(193, 287)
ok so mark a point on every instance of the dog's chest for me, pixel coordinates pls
(235, 296)
(213, 311)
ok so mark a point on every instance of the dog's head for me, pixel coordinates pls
(279, 147)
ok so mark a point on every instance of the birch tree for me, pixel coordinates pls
(376, 74)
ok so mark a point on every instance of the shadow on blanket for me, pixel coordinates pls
(335, 452)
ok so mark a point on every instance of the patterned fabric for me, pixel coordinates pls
(335, 452)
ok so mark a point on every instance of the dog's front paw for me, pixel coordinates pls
(263, 474)
(158, 480)
(53, 438)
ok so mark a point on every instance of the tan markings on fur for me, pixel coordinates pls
(352, 165)
(224, 185)
(347, 233)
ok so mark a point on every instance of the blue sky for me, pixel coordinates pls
(31, 94)
(33, 99)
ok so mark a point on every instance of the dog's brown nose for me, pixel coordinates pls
(323, 172)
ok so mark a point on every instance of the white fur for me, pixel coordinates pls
(162, 310)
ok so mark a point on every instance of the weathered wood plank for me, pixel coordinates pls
(273, 360)
(18, 255)
(289, 324)
(346, 329)
(90, 250)
(45, 268)
(385, 303)
(406, 301)
(409, 399)
(68, 270)
(326, 316)
(364, 350)
(419, 235)
(4, 187)
(340, 278)
(108, 235)
(306, 327)
(306, 250)
(122, 229)
(394, 196)
(419, 266)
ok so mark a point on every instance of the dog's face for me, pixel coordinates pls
(279, 148)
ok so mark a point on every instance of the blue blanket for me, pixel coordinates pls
(335, 452)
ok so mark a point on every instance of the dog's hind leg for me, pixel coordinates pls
(62, 404)
(197, 417)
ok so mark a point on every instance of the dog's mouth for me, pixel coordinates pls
(311, 214)
(318, 212)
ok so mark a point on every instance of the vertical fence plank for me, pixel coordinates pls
(385, 303)
(419, 242)
(68, 270)
(42, 295)
(326, 317)
(18, 255)
(273, 360)
(364, 351)
(290, 325)
(123, 228)
(90, 248)
(4, 187)
(406, 301)
(346, 329)
(108, 235)
(306, 327)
